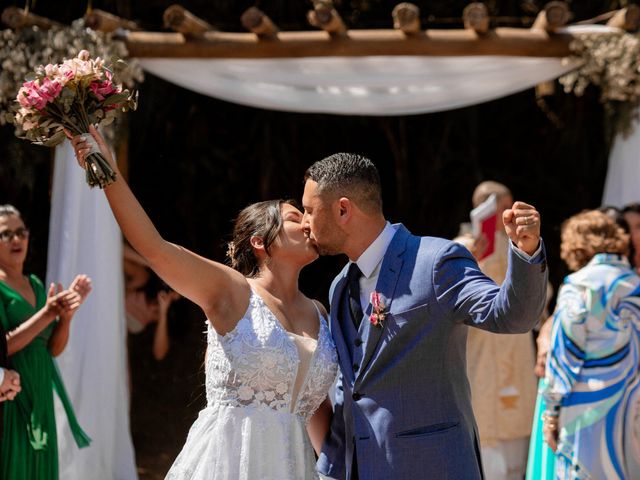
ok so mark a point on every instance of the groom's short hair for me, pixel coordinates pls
(348, 175)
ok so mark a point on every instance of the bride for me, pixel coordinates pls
(270, 358)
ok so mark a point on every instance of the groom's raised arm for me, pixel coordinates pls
(465, 294)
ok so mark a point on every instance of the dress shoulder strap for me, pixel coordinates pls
(320, 314)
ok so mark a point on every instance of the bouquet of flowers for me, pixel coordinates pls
(73, 95)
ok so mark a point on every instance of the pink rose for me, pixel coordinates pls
(22, 97)
(103, 89)
(29, 96)
(49, 90)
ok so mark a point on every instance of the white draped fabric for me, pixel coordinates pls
(399, 85)
(84, 238)
(623, 176)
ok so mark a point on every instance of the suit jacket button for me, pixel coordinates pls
(358, 342)
(356, 396)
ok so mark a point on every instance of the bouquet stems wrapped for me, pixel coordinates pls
(74, 95)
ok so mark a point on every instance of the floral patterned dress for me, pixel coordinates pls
(254, 424)
(593, 372)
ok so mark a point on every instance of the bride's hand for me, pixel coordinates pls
(82, 147)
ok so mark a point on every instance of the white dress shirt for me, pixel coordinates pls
(1, 375)
(370, 261)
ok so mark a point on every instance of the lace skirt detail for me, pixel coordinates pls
(245, 443)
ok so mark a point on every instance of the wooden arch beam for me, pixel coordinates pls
(627, 18)
(183, 21)
(500, 41)
(15, 18)
(476, 17)
(107, 22)
(406, 17)
(326, 17)
(254, 20)
(555, 14)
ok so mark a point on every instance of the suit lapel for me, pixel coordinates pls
(386, 286)
(344, 356)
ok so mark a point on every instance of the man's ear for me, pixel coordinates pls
(345, 209)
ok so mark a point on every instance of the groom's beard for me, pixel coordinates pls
(326, 249)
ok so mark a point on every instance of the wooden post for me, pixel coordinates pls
(15, 17)
(326, 17)
(555, 15)
(107, 22)
(406, 17)
(476, 17)
(257, 22)
(628, 18)
(181, 20)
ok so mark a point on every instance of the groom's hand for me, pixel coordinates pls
(522, 224)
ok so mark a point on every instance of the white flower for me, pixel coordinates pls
(245, 393)
(268, 362)
(282, 388)
(269, 395)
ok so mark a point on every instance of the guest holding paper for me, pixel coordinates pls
(500, 367)
(37, 327)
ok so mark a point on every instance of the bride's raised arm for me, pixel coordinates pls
(222, 292)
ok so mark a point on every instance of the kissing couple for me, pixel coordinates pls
(395, 337)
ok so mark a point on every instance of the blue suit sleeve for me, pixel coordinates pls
(466, 295)
(331, 461)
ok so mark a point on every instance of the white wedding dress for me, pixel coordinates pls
(253, 427)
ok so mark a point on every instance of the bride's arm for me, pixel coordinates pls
(318, 425)
(220, 291)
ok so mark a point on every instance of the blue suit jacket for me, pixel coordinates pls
(407, 408)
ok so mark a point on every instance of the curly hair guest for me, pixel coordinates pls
(589, 233)
(592, 367)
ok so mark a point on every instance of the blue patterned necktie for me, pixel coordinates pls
(353, 287)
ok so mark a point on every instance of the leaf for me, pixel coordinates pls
(116, 98)
(56, 139)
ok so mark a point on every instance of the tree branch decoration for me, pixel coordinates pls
(611, 62)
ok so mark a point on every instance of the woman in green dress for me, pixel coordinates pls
(37, 329)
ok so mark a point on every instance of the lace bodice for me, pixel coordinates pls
(255, 365)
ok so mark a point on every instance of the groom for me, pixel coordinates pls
(399, 315)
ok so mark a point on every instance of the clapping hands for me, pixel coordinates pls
(64, 303)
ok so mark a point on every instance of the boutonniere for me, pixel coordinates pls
(378, 309)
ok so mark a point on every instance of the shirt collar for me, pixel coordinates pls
(373, 255)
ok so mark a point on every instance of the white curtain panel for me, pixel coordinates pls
(84, 238)
(623, 175)
(378, 85)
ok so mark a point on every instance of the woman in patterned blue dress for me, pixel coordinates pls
(592, 368)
